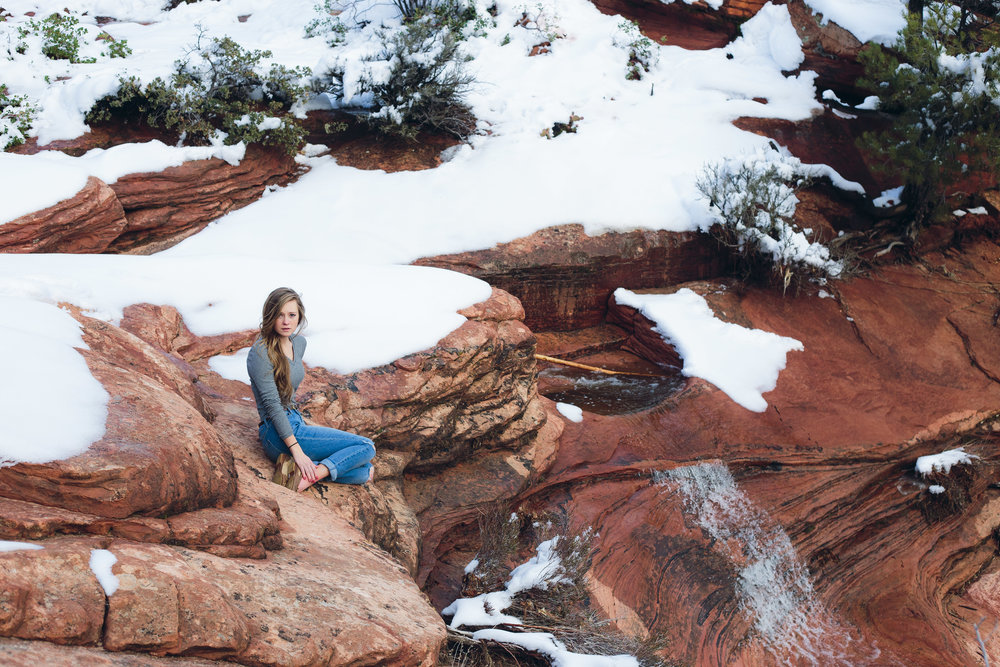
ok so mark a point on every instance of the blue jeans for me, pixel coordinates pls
(346, 455)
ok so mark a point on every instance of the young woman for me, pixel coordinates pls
(275, 368)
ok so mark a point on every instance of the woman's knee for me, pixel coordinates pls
(370, 444)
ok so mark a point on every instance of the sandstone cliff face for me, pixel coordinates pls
(145, 213)
(216, 561)
(563, 277)
(877, 570)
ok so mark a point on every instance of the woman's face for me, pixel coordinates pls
(287, 320)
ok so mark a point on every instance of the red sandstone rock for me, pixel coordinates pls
(475, 389)
(563, 277)
(87, 222)
(145, 212)
(143, 465)
(830, 51)
(51, 593)
(830, 462)
(165, 207)
(677, 24)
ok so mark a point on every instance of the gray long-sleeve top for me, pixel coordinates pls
(265, 391)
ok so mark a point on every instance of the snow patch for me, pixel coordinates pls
(101, 561)
(570, 411)
(743, 363)
(45, 363)
(943, 461)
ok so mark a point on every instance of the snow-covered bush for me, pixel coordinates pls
(16, 116)
(752, 200)
(547, 593)
(327, 24)
(220, 87)
(940, 82)
(642, 53)
(418, 81)
(59, 36)
(541, 18)
(949, 475)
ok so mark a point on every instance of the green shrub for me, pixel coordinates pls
(222, 90)
(939, 83)
(16, 116)
(753, 202)
(61, 36)
(424, 86)
(327, 25)
(641, 53)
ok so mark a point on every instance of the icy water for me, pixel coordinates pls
(609, 394)
(774, 587)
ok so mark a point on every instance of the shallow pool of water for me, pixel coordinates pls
(605, 394)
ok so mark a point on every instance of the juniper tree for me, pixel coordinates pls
(940, 82)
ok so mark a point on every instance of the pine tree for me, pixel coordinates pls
(940, 82)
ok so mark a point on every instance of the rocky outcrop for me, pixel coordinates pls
(87, 222)
(829, 50)
(165, 207)
(563, 277)
(858, 562)
(215, 561)
(145, 213)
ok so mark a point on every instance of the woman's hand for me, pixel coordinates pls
(305, 464)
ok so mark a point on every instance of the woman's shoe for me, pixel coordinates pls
(286, 473)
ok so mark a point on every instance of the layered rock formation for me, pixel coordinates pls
(144, 213)
(563, 276)
(824, 546)
(215, 561)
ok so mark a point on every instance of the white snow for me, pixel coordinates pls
(889, 198)
(979, 210)
(935, 489)
(823, 294)
(45, 382)
(743, 363)
(18, 546)
(613, 174)
(570, 411)
(870, 103)
(337, 232)
(232, 366)
(943, 461)
(471, 567)
(101, 561)
(868, 20)
(548, 645)
(152, 156)
(31, 184)
(539, 571)
(358, 316)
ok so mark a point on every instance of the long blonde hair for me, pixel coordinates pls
(275, 301)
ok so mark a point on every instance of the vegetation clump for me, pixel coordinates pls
(641, 52)
(327, 25)
(753, 202)
(416, 82)
(557, 603)
(940, 84)
(222, 87)
(16, 117)
(59, 38)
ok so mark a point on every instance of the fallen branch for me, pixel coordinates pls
(888, 248)
(542, 357)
